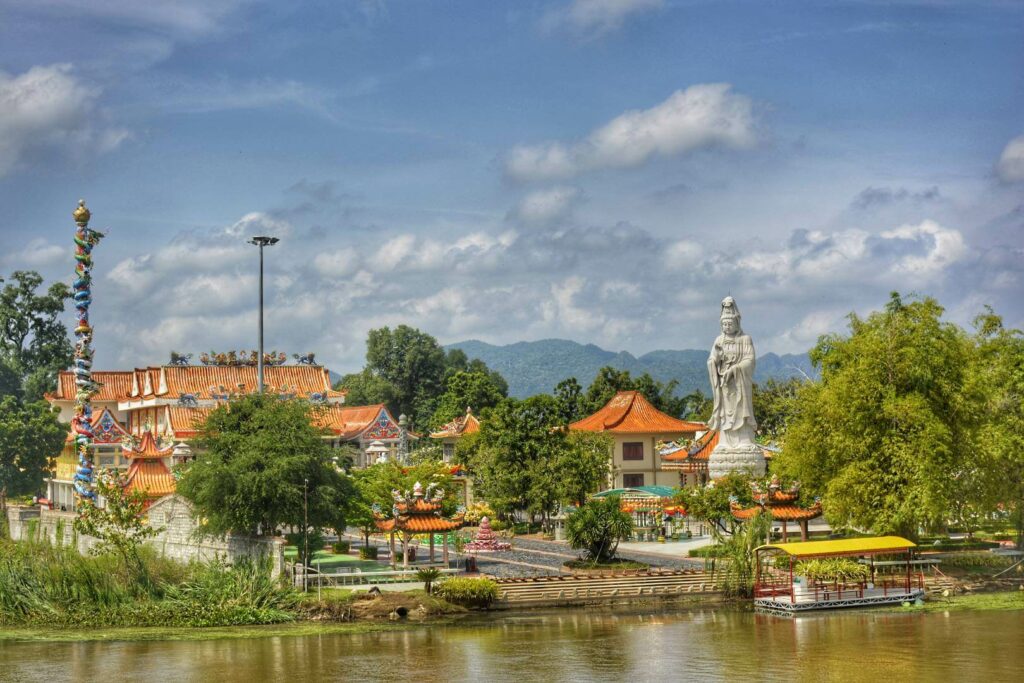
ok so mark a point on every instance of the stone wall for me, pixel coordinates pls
(177, 539)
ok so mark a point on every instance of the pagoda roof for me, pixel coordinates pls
(209, 382)
(148, 449)
(629, 412)
(349, 422)
(185, 421)
(150, 476)
(463, 424)
(639, 492)
(418, 524)
(779, 513)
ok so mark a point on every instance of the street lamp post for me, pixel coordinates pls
(261, 241)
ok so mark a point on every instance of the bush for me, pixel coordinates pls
(368, 552)
(838, 569)
(597, 527)
(969, 560)
(341, 547)
(706, 551)
(480, 593)
(958, 545)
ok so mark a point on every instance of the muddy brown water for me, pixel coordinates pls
(698, 645)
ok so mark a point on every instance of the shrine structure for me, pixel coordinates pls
(417, 513)
(780, 505)
(486, 541)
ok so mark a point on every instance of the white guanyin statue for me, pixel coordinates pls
(731, 371)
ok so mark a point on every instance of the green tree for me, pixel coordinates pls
(888, 423)
(774, 406)
(733, 564)
(119, 526)
(511, 458)
(30, 438)
(996, 471)
(583, 466)
(456, 361)
(698, 406)
(572, 405)
(365, 388)
(463, 389)
(597, 527)
(33, 341)
(259, 458)
(411, 361)
(711, 504)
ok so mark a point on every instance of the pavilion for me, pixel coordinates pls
(781, 505)
(647, 505)
(419, 513)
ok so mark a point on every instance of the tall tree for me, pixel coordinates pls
(610, 380)
(476, 390)
(34, 342)
(261, 462)
(365, 388)
(410, 360)
(30, 438)
(774, 406)
(889, 423)
(583, 466)
(572, 405)
(998, 376)
(456, 360)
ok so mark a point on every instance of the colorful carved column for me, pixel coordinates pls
(85, 387)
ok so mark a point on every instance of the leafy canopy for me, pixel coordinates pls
(257, 455)
(888, 423)
(30, 437)
(597, 527)
(34, 343)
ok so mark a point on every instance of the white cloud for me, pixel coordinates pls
(1011, 161)
(701, 116)
(546, 207)
(178, 17)
(38, 253)
(588, 19)
(336, 264)
(939, 248)
(47, 110)
(258, 223)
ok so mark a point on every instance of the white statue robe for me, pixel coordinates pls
(733, 413)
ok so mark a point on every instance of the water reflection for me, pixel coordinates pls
(570, 646)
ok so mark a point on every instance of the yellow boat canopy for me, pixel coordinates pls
(845, 546)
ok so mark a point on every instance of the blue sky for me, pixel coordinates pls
(600, 170)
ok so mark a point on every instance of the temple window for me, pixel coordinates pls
(633, 451)
(632, 480)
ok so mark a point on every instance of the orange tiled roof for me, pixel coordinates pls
(113, 385)
(151, 477)
(629, 412)
(788, 513)
(171, 381)
(418, 524)
(350, 421)
(148, 448)
(464, 424)
(185, 421)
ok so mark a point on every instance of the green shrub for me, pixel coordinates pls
(368, 552)
(498, 525)
(479, 593)
(968, 560)
(833, 569)
(315, 541)
(706, 551)
(959, 545)
(341, 547)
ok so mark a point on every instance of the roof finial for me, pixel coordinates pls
(81, 214)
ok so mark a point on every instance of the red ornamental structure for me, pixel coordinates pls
(486, 541)
(418, 513)
(781, 505)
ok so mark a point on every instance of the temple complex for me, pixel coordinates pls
(690, 459)
(160, 409)
(780, 504)
(417, 513)
(636, 428)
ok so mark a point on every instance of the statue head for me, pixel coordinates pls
(730, 317)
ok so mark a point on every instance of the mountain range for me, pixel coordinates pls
(536, 367)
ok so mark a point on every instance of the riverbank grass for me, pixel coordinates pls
(980, 602)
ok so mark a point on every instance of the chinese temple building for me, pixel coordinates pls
(636, 428)
(690, 460)
(781, 505)
(419, 513)
(649, 506)
(149, 469)
(450, 433)
(170, 402)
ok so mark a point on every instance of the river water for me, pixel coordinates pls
(700, 644)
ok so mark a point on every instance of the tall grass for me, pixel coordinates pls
(44, 584)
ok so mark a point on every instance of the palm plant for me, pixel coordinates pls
(732, 565)
(597, 527)
(428, 575)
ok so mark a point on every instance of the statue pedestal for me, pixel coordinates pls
(743, 458)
